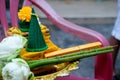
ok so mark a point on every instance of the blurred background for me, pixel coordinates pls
(98, 15)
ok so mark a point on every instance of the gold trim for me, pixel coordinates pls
(63, 72)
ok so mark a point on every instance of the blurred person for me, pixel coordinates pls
(115, 40)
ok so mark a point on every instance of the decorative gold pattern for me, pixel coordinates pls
(63, 72)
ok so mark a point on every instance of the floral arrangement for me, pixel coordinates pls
(19, 55)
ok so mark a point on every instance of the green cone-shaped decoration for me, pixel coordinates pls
(36, 41)
(23, 25)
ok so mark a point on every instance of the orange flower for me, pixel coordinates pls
(24, 14)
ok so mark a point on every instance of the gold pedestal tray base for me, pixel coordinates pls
(62, 70)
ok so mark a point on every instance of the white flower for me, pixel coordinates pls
(11, 45)
(18, 69)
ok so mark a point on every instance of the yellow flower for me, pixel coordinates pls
(24, 14)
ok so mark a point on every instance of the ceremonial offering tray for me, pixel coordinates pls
(27, 52)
